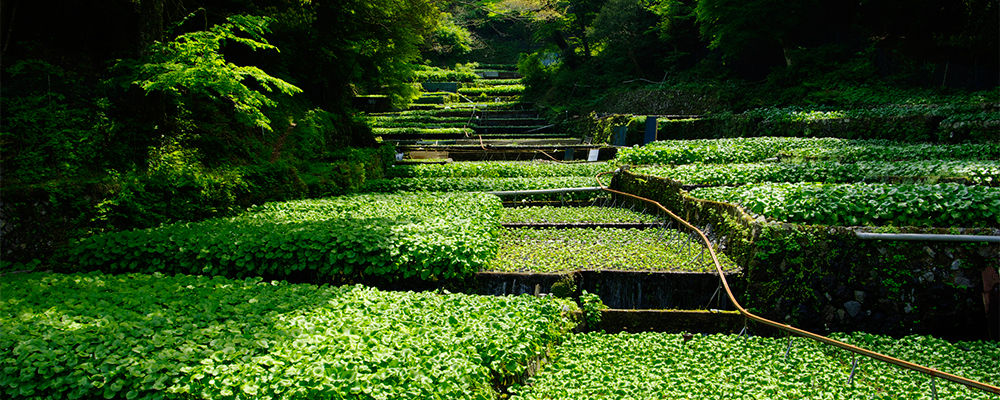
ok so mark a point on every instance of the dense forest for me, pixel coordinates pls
(120, 114)
(761, 53)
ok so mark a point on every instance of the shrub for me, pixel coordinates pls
(49, 135)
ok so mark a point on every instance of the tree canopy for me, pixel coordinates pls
(794, 47)
(229, 77)
(193, 64)
(218, 75)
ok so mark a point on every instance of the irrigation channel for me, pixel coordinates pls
(682, 285)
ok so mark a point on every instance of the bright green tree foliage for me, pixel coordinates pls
(450, 38)
(193, 63)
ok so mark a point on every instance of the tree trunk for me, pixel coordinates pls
(527, 38)
(585, 40)
(786, 49)
(10, 27)
(150, 24)
(151, 106)
(638, 68)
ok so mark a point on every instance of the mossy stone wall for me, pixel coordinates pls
(824, 278)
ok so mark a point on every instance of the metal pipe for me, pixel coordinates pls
(538, 129)
(545, 191)
(791, 329)
(927, 237)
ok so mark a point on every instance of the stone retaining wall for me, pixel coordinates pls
(824, 278)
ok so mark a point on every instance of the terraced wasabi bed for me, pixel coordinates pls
(571, 249)
(664, 366)
(157, 336)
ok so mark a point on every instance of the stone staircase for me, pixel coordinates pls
(481, 127)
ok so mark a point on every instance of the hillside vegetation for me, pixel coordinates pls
(120, 115)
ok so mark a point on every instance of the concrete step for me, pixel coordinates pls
(551, 135)
(513, 130)
(498, 121)
(494, 74)
(452, 140)
(519, 141)
(411, 138)
(623, 290)
(509, 152)
(670, 321)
